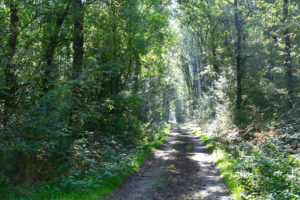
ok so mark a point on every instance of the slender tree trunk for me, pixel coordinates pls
(188, 78)
(213, 47)
(195, 78)
(9, 71)
(238, 57)
(50, 50)
(136, 74)
(199, 62)
(288, 62)
(215, 63)
(195, 70)
(78, 41)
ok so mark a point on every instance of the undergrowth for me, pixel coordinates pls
(103, 175)
(263, 171)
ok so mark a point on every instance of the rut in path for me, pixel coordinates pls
(181, 169)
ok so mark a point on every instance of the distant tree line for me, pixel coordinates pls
(241, 54)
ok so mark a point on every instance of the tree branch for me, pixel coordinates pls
(229, 2)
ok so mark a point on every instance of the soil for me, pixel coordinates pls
(181, 169)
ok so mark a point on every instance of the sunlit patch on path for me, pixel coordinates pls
(182, 169)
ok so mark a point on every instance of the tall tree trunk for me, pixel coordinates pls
(195, 79)
(136, 73)
(287, 62)
(215, 62)
(78, 40)
(9, 71)
(50, 50)
(195, 70)
(238, 56)
(188, 78)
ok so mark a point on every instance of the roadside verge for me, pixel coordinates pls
(223, 162)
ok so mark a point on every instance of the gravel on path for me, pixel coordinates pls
(181, 169)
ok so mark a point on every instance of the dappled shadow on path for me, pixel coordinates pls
(182, 168)
(190, 172)
(178, 180)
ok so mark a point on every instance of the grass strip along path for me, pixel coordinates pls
(253, 170)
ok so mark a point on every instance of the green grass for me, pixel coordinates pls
(108, 185)
(254, 170)
(140, 158)
(223, 162)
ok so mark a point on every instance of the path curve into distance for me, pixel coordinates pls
(181, 169)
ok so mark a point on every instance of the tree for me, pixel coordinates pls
(238, 56)
(51, 39)
(288, 61)
(78, 41)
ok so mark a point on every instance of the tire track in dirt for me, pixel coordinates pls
(181, 169)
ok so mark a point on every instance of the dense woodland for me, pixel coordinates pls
(87, 86)
(240, 64)
(246, 50)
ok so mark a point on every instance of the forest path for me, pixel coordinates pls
(181, 169)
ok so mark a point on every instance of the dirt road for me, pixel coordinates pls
(181, 169)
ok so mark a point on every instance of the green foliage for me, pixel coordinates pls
(84, 83)
(98, 174)
(255, 171)
(82, 87)
(207, 39)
